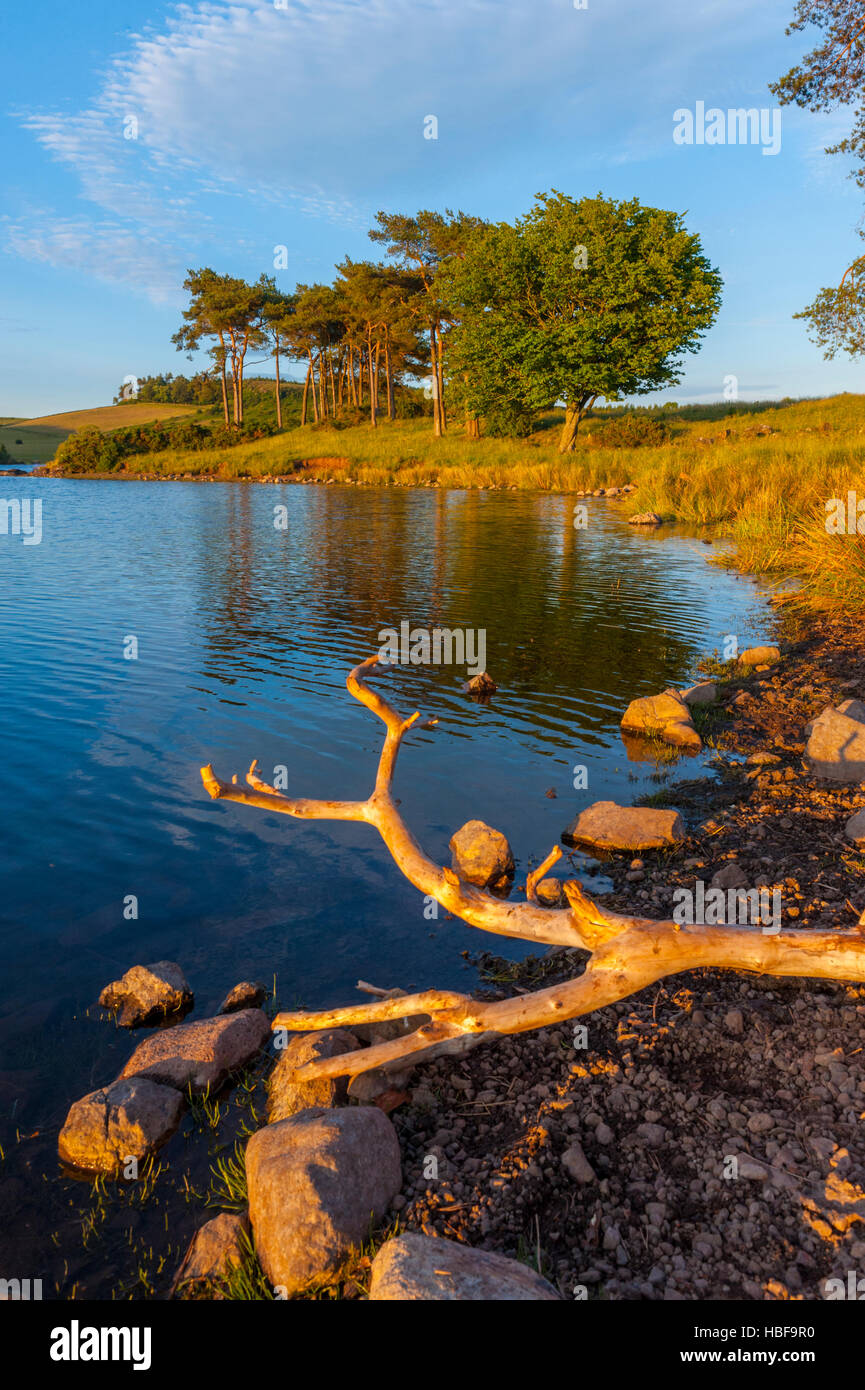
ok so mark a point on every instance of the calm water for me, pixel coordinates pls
(245, 635)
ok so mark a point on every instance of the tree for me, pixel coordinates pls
(277, 321)
(581, 299)
(833, 75)
(227, 309)
(419, 246)
(625, 953)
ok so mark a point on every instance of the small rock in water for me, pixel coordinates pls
(246, 995)
(482, 856)
(645, 519)
(200, 1054)
(760, 656)
(127, 1120)
(482, 684)
(665, 716)
(703, 693)
(146, 992)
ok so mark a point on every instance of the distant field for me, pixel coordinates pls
(36, 441)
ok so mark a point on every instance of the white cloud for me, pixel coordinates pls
(109, 252)
(318, 108)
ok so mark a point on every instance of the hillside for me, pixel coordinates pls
(36, 440)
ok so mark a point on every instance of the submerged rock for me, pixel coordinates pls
(147, 992)
(666, 716)
(608, 826)
(286, 1096)
(200, 1054)
(128, 1120)
(482, 856)
(418, 1268)
(316, 1181)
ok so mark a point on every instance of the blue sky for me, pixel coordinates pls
(261, 124)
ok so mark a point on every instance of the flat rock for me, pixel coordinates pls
(129, 1119)
(608, 826)
(316, 1181)
(836, 746)
(645, 519)
(214, 1250)
(200, 1054)
(482, 856)
(759, 656)
(286, 1096)
(703, 693)
(664, 716)
(147, 992)
(246, 995)
(416, 1268)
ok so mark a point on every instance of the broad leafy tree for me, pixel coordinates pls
(581, 299)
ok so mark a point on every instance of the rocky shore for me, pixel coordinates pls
(700, 1140)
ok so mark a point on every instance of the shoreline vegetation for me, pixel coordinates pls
(764, 474)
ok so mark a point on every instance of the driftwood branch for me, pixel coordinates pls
(626, 953)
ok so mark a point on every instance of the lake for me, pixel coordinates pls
(245, 633)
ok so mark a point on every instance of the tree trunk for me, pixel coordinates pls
(278, 401)
(568, 436)
(222, 374)
(332, 384)
(437, 428)
(441, 380)
(305, 394)
(388, 378)
(372, 383)
(322, 396)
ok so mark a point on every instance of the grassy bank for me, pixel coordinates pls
(762, 474)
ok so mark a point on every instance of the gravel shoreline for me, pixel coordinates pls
(608, 1167)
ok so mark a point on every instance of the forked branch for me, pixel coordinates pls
(626, 953)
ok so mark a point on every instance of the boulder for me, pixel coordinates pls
(413, 1268)
(665, 716)
(703, 693)
(854, 709)
(246, 995)
(371, 1087)
(146, 992)
(760, 656)
(316, 1182)
(129, 1119)
(201, 1054)
(216, 1248)
(836, 746)
(482, 856)
(607, 826)
(286, 1096)
(855, 828)
(645, 519)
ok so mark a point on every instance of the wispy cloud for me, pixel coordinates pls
(108, 252)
